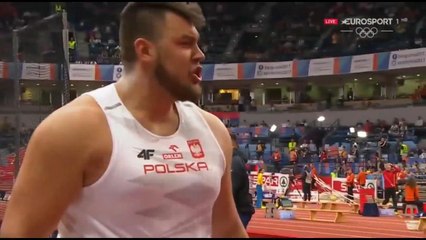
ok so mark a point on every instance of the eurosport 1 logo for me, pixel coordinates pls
(367, 21)
(367, 28)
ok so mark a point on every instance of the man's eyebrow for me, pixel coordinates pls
(189, 37)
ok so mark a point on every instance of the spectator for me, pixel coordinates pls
(350, 183)
(404, 153)
(362, 177)
(293, 156)
(343, 155)
(354, 153)
(403, 128)
(419, 122)
(412, 194)
(292, 145)
(276, 157)
(422, 155)
(72, 49)
(397, 150)
(307, 183)
(389, 176)
(394, 130)
(334, 173)
(260, 150)
(259, 188)
(350, 95)
(240, 185)
(313, 147)
(382, 147)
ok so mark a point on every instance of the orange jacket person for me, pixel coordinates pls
(276, 157)
(412, 194)
(350, 178)
(362, 177)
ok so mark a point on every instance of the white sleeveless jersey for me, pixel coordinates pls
(154, 186)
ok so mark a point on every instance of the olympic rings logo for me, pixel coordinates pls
(366, 32)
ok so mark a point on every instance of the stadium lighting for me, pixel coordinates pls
(362, 134)
(352, 130)
(321, 119)
(273, 128)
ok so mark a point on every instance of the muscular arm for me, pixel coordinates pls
(51, 176)
(226, 222)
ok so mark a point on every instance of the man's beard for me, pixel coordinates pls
(177, 89)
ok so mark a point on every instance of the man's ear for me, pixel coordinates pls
(145, 50)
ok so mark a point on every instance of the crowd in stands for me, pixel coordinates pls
(14, 15)
(101, 33)
(394, 142)
(297, 31)
(289, 30)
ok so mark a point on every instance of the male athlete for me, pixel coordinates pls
(136, 158)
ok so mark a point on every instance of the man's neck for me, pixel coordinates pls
(139, 96)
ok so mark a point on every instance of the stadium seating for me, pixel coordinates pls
(241, 33)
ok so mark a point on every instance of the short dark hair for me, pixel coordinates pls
(141, 19)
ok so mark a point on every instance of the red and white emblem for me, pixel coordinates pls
(195, 148)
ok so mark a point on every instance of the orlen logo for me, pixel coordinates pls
(175, 155)
(175, 168)
(170, 156)
(331, 21)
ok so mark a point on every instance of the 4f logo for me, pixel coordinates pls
(146, 154)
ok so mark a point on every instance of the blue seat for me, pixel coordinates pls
(286, 132)
(252, 147)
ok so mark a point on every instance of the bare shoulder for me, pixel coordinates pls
(84, 105)
(54, 168)
(75, 124)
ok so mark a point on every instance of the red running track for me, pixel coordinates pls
(353, 226)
